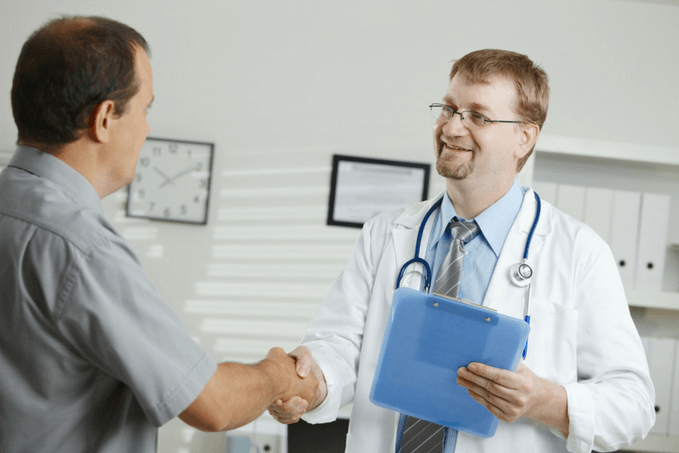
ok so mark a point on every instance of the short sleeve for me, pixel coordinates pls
(112, 315)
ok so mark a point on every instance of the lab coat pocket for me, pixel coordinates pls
(552, 343)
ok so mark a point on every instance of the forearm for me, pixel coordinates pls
(235, 395)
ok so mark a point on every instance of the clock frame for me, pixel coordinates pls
(172, 181)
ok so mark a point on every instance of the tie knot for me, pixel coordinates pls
(463, 231)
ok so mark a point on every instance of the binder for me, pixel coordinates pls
(598, 207)
(661, 365)
(571, 200)
(655, 214)
(427, 339)
(674, 403)
(624, 229)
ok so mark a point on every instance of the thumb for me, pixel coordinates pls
(304, 360)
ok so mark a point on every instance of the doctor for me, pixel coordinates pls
(584, 384)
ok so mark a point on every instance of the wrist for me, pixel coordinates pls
(552, 406)
(268, 374)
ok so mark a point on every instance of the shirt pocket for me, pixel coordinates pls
(552, 343)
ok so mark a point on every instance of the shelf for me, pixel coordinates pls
(665, 300)
(608, 150)
(656, 443)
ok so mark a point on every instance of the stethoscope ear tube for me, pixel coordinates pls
(427, 276)
(417, 259)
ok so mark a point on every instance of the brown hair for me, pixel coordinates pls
(532, 87)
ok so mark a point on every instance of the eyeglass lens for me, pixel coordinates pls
(438, 111)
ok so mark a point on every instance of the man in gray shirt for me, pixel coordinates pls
(91, 358)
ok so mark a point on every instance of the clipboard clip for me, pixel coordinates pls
(464, 302)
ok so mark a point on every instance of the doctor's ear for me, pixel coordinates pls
(527, 138)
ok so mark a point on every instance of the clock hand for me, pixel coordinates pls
(167, 178)
(180, 174)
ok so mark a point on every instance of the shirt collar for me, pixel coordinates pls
(494, 223)
(46, 166)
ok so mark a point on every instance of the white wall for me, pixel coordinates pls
(279, 86)
(290, 74)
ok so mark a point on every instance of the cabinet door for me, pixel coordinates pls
(655, 214)
(624, 231)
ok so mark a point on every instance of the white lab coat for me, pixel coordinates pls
(582, 335)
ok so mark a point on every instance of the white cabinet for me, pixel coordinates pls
(623, 167)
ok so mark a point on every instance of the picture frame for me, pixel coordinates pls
(362, 187)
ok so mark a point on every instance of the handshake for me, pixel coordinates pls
(287, 385)
(302, 382)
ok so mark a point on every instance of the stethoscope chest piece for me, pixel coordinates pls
(520, 274)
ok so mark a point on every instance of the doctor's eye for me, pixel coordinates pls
(476, 118)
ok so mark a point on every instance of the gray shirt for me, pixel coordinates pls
(91, 358)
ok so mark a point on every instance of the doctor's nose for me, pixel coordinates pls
(454, 126)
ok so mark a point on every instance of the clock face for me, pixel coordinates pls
(172, 181)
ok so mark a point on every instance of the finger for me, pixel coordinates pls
(487, 395)
(283, 417)
(504, 378)
(304, 360)
(289, 411)
(497, 394)
(494, 379)
(273, 352)
(490, 407)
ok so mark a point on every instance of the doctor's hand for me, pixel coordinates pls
(282, 369)
(510, 396)
(291, 410)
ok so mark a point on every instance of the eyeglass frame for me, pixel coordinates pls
(461, 113)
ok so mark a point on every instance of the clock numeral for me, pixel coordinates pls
(152, 205)
(144, 161)
(137, 178)
(183, 209)
(197, 199)
(173, 147)
(141, 193)
(199, 167)
(189, 152)
(203, 183)
(167, 212)
(157, 150)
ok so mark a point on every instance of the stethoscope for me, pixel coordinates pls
(521, 274)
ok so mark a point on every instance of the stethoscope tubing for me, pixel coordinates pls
(427, 268)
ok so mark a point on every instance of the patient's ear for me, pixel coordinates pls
(100, 121)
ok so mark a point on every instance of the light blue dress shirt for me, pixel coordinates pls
(481, 255)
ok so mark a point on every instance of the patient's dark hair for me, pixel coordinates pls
(68, 67)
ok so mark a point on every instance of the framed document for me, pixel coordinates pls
(361, 188)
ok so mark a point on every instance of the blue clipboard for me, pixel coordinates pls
(428, 337)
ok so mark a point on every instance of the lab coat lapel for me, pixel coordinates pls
(502, 295)
(404, 236)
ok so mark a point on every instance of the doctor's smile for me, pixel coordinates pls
(452, 148)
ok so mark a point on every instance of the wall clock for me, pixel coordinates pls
(172, 181)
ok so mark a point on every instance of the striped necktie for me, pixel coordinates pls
(420, 436)
(449, 276)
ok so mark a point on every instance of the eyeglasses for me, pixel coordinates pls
(475, 119)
